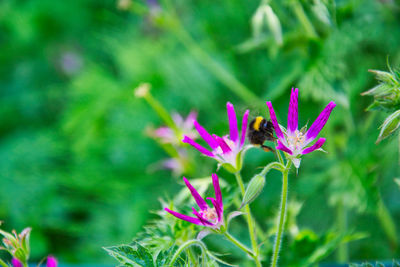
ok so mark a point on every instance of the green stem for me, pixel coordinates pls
(161, 111)
(191, 257)
(342, 253)
(302, 17)
(282, 214)
(239, 245)
(250, 224)
(387, 223)
(224, 76)
(187, 245)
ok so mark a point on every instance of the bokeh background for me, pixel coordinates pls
(77, 165)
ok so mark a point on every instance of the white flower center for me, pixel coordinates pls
(210, 214)
(296, 140)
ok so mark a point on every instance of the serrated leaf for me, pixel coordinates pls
(165, 256)
(391, 124)
(131, 255)
(254, 189)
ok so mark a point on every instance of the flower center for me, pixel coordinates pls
(296, 140)
(209, 214)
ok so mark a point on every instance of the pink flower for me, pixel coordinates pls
(295, 142)
(207, 216)
(185, 127)
(16, 263)
(51, 262)
(227, 149)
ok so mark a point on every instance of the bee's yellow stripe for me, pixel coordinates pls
(257, 123)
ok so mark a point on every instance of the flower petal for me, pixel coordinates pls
(188, 123)
(293, 115)
(272, 115)
(16, 263)
(284, 148)
(233, 129)
(217, 189)
(315, 146)
(200, 148)
(184, 217)
(199, 200)
(222, 144)
(51, 262)
(202, 220)
(244, 127)
(320, 122)
(205, 135)
(218, 209)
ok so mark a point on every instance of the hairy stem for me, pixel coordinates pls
(239, 244)
(282, 215)
(249, 218)
(185, 246)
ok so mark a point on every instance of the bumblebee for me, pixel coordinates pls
(261, 130)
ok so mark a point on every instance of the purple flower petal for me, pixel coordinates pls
(284, 148)
(293, 115)
(187, 124)
(222, 144)
(51, 262)
(205, 135)
(272, 115)
(244, 127)
(200, 148)
(217, 189)
(202, 220)
(320, 122)
(218, 209)
(199, 200)
(184, 217)
(16, 263)
(233, 129)
(315, 146)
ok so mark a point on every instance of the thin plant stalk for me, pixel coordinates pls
(239, 244)
(249, 218)
(282, 214)
(342, 253)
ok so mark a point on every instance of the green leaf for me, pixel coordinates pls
(254, 189)
(129, 255)
(391, 124)
(165, 256)
(3, 264)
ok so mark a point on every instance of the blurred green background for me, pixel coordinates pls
(76, 164)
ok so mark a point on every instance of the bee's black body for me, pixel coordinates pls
(261, 130)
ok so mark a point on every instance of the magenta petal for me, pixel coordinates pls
(272, 115)
(315, 146)
(202, 220)
(16, 263)
(199, 200)
(284, 148)
(200, 148)
(51, 262)
(217, 189)
(222, 144)
(320, 122)
(205, 135)
(184, 217)
(244, 127)
(217, 207)
(233, 129)
(293, 115)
